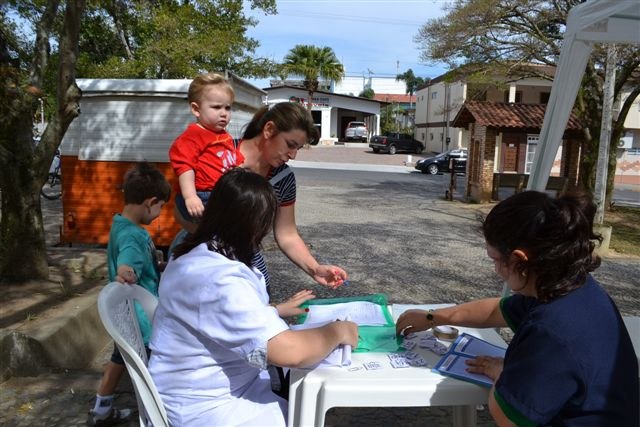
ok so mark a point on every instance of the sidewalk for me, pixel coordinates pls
(449, 268)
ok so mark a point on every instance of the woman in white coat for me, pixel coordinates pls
(214, 332)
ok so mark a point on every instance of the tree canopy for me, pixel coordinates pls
(367, 93)
(170, 39)
(312, 63)
(481, 38)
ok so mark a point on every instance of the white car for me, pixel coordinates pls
(356, 131)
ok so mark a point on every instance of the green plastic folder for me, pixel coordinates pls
(370, 338)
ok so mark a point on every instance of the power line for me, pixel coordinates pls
(350, 18)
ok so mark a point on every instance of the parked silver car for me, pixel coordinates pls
(356, 131)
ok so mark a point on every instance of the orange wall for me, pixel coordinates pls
(91, 195)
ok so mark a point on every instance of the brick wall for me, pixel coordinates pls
(481, 157)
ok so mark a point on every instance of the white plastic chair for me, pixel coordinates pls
(117, 312)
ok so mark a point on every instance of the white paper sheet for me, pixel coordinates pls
(360, 312)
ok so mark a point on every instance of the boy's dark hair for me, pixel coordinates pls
(557, 235)
(287, 116)
(144, 181)
(240, 212)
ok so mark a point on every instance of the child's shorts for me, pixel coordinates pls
(116, 357)
(182, 207)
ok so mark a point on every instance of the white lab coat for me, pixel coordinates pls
(209, 342)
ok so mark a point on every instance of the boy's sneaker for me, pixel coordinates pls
(115, 416)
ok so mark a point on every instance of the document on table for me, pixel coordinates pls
(340, 356)
(361, 312)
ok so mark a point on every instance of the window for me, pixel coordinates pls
(434, 95)
(532, 144)
(430, 136)
(544, 97)
(518, 96)
(441, 137)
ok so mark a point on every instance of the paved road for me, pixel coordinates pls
(393, 232)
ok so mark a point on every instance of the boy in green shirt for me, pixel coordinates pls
(131, 258)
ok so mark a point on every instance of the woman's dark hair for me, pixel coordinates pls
(240, 212)
(287, 116)
(557, 235)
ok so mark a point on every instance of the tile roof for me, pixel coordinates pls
(506, 115)
(394, 97)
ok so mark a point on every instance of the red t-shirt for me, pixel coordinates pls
(208, 154)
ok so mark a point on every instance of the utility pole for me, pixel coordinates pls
(398, 104)
(605, 134)
(447, 107)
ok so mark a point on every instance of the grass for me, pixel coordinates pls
(625, 232)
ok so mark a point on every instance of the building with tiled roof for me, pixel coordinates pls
(503, 116)
(502, 141)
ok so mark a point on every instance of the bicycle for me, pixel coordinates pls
(52, 188)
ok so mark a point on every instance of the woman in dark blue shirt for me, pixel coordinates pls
(571, 360)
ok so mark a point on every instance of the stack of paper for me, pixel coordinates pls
(363, 313)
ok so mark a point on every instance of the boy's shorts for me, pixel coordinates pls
(116, 357)
(182, 207)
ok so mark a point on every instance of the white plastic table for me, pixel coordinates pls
(313, 392)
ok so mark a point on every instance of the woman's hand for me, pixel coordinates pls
(330, 275)
(487, 365)
(291, 306)
(347, 332)
(412, 321)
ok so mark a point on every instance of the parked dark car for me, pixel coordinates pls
(392, 142)
(440, 163)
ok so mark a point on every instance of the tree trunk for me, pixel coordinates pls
(616, 133)
(23, 255)
(22, 245)
(24, 167)
(310, 101)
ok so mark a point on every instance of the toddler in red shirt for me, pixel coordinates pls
(205, 150)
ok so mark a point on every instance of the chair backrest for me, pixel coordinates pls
(118, 315)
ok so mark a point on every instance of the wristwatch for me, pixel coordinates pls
(430, 319)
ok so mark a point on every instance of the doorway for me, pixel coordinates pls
(510, 151)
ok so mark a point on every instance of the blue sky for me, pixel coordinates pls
(368, 36)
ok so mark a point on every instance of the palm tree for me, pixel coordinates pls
(312, 63)
(411, 82)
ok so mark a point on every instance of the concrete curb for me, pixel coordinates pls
(71, 340)
(350, 166)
